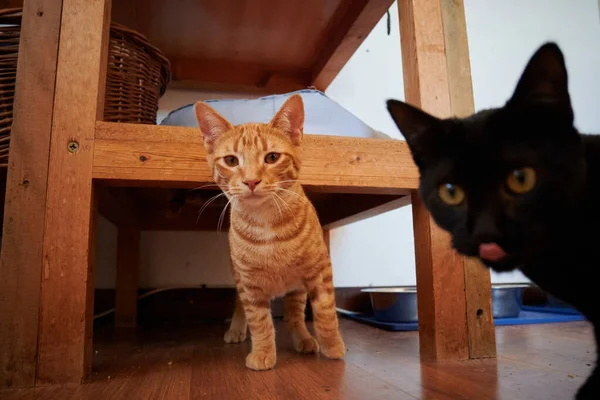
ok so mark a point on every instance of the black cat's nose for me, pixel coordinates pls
(485, 229)
(487, 237)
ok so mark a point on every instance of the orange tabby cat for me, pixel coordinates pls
(275, 237)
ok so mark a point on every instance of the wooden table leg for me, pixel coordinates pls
(128, 258)
(119, 206)
(480, 322)
(455, 320)
(25, 209)
(440, 290)
(65, 338)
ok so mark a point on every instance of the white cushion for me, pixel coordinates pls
(323, 116)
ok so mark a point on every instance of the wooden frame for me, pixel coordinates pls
(25, 209)
(51, 230)
(65, 332)
(455, 303)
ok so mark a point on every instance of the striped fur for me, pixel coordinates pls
(276, 240)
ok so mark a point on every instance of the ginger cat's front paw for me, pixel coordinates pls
(308, 345)
(334, 348)
(235, 336)
(260, 361)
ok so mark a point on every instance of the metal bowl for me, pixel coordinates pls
(507, 300)
(399, 304)
(394, 304)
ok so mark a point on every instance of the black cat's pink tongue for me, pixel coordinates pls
(491, 252)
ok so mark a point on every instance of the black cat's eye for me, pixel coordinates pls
(232, 161)
(451, 194)
(521, 180)
(271, 158)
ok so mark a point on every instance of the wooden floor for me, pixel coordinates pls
(535, 362)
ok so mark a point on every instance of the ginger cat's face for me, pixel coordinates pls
(251, 162)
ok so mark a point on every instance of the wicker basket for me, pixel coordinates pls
(137, 76)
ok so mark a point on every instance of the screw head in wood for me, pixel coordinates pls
(73, 147)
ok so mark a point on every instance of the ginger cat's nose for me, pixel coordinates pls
(252, 183)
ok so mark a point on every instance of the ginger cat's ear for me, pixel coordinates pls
(290, 118)
(211, 123)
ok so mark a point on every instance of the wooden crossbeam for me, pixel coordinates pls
(162, 155)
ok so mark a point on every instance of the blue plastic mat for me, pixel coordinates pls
(526, 317)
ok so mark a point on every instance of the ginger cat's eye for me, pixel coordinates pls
(521, 180)
(451, 194)
(271, 158)
(232, 161)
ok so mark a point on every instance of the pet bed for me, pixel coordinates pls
(323, 116)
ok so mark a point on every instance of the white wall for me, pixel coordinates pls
(574, 25)
(502, 37)
(379, 251)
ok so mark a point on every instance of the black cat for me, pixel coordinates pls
(518, 186)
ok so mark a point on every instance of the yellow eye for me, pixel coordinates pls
(521, 180)
(271, 158)
(451, 194)
(232, 161)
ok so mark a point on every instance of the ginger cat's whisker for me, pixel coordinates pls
(222, 217)
(290, 210)
(205, 205)
(274, 199)
(302, 181)
(203, 186)
(286, 181)
(293, 193)
(284, 203)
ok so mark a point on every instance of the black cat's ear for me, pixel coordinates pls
(415, 125)
(544, 81)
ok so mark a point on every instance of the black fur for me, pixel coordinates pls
(552, 233)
